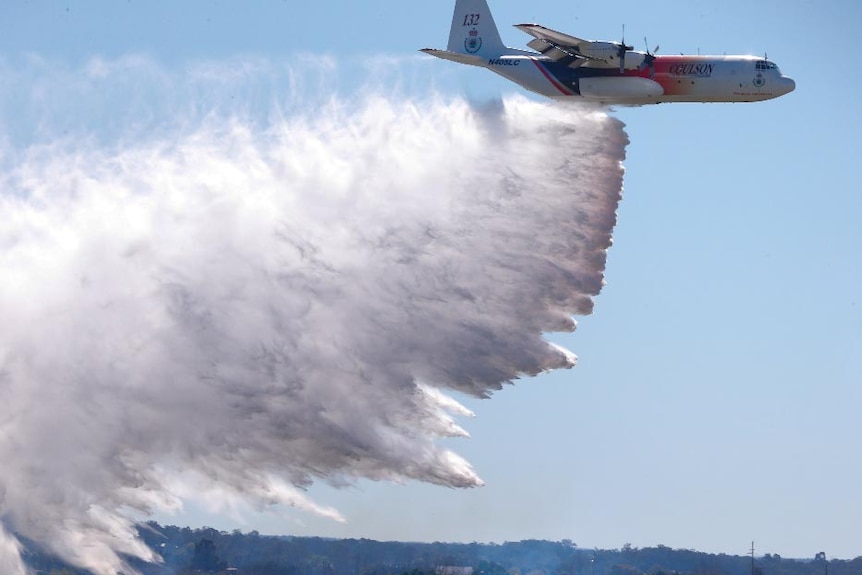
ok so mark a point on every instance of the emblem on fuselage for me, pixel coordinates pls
(759, 80)
(473, 43)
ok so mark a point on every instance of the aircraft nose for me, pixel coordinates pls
(788, 84)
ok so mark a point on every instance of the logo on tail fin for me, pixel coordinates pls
(473, 43)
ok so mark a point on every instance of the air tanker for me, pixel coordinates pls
(562, 66)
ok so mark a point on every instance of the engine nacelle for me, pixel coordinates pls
(634, 60)
(600, 50)
(609, 57)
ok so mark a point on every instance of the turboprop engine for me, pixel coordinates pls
(611, 54)
(607, 51)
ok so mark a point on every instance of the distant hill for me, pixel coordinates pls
(192, 551)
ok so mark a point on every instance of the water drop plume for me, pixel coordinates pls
(253, 307)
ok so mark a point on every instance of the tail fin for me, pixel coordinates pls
(473, 30)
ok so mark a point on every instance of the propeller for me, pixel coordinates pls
(622, 49)
(649, 59)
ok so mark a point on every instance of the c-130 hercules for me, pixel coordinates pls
(563, 66)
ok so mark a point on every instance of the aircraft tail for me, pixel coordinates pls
(473, 31)
(474, 38)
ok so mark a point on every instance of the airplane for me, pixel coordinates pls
(563, 67)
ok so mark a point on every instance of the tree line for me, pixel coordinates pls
(187, 551)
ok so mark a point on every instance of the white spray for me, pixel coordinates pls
(261, 307)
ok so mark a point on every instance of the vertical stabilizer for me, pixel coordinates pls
(474, 31)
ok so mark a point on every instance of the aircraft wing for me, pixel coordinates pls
(558, 46)
(542, 33)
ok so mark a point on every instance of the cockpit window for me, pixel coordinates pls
(765, 65)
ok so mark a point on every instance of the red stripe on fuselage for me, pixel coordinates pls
(550, 78)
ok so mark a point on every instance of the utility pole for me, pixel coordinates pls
(752, 558)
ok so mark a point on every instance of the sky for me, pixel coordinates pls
(717, 394)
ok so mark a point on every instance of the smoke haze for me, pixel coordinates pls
(192, 296)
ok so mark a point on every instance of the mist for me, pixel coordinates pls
(195, 297)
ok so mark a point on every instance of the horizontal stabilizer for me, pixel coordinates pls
(455, 56)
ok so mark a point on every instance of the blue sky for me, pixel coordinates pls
(718, 394)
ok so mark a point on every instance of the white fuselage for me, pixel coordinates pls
(666, 79)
